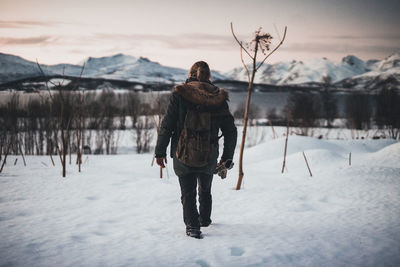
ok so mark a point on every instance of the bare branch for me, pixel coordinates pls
(244, 64)
(277, 32)
(44, 75)
(239, 42)
(276, 48)
(63, 72)
(80, 76)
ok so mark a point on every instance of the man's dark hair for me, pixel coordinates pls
(201, 71)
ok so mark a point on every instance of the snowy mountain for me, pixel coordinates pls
(383, 74)
(393, 61)
(13, 68)
(296, 72)
(372, 80)
(119, 67)
(350, 73)
(351, 69)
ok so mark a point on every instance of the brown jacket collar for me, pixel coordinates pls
(202, 93)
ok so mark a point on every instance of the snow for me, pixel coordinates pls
(118, 212)
(391, 61)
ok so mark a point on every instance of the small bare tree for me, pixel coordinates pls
(358, 111)
(161, 104)
(388, 112)
(79, 120)
(261, 42)
(304, 112)
(61, 106)
(144, 133)
(133, 107)
(8, 129)
(253, 113)
(328, 101)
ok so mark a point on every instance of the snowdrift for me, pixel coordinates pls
(118, 212)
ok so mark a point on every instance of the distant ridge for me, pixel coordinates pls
(118, 67)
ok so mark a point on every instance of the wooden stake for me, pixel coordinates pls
(273, 130)
(52, 160)
(350, 159)
(15, 162)
(308, 167)
(69, 151)
(286, 141)
(22, 154)
(161, 173)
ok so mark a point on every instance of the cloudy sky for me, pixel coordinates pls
(177, 33)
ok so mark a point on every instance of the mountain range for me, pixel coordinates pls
(116, 67)
(351, 72)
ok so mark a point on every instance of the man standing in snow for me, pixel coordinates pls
(196, 112)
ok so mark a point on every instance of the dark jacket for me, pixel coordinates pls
(205, 97)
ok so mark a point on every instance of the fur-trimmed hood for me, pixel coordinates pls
(202, 93)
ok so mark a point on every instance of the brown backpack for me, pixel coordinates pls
(194, 144)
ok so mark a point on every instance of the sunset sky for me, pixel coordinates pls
(177, 33)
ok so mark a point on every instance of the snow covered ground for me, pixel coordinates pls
(118, 212)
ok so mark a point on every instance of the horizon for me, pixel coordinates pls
(177, 34)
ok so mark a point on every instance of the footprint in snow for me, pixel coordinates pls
(236, 251)
(98, 233)
(202, 263)
(92, 198)
(77, 238)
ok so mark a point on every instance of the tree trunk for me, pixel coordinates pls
(245, 120)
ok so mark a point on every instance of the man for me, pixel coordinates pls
(196, 112)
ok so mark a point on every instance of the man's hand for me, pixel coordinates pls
(223, 167)
(160, 162)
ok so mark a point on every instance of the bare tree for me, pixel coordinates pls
(160, 109)
(304, 111)
(79, 121)
(388, 112)
(143, 129)
(62, 109)
(253, 113)
(358, 111)
(133, 108)
(260, 43)
(328, 101)
(8, 129)
(107, 101)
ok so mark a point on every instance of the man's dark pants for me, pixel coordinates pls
(188, 184)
